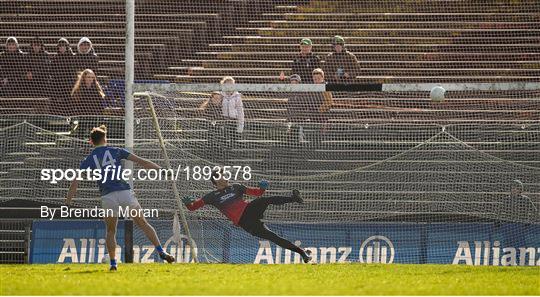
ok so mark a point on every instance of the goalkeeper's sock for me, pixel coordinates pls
(159, 249)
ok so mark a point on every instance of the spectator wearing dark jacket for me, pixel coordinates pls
(212, 108)
(38, 74)
(341, 66)
(87, 95)
(517, 207)
(86, 57)
(297, 104)
(12, 69)
(298, 110)
(63, 74)
(306, 61)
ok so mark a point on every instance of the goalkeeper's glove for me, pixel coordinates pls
(263, 184)
(187, 200)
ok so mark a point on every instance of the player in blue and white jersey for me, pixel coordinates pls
(116, 192)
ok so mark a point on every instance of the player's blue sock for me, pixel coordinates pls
(159, 249)
(113, 262)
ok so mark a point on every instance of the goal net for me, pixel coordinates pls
(379, 162)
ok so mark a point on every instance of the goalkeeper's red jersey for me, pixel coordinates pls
(230, 201)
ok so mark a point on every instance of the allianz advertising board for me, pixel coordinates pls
(215, 241)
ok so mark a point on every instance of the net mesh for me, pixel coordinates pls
(370, 156)
(403, 158)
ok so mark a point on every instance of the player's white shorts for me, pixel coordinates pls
(115, 200)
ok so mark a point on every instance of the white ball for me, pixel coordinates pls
(437, 94)
(105, 259)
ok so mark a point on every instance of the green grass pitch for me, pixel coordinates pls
(227, 279)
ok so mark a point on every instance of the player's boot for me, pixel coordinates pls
(307, 258)
(113, 265)
(296, 197)
(165, 256)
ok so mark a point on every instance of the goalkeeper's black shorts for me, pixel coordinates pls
(254, 212)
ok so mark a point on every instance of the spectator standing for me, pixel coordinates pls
(88, 96)
(38, 74)
(297, 101)
(341, 66)
(232, 111)
(86, 57)
(12, 69)
(212, 111)
(297, 110)
(306, 61)
(212, 107)
(63, 74)
(232, 106)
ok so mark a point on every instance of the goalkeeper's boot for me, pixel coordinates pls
(166, 257)
(307, 256)
(296, 197)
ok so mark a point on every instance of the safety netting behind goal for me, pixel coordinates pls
(394, 165)
(387, 176)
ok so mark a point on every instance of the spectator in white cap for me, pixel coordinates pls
(86, 57)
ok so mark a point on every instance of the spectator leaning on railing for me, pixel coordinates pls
(12, 69)
(38, 74)
(327, 101)
(63, 74)
(86, 57)
(340, 66)
(321, 101)
(87, 95)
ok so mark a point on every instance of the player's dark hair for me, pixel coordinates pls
(98, 134)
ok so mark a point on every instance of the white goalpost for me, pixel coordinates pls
(176, 194)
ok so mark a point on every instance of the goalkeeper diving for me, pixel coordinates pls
(229, 199)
